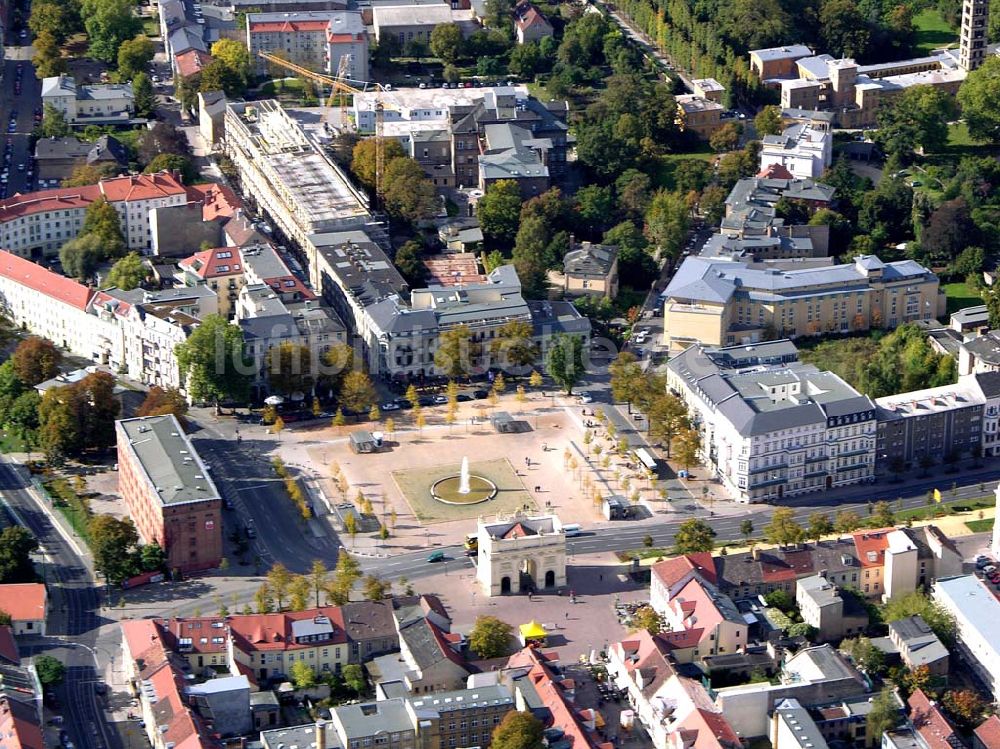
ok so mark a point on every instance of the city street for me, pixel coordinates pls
(78, 634)
(25, 104)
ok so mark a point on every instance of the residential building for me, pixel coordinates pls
(39, 223)
(968, 320)
(168, 492)
(735, 302)
(772, 427)
(430, 658)
(823, 607)
(540, 687)
(46, 303)
(20, 725)
(157, 678)
(512, 152)
(987, 734)
(521, 554)
(979, 353)
(389, 723)
(408, 24)
(698, 115)
(588, 270)
(266, 645)
(316, 40)
(925, 426)
(918, 646)
(465, 717)
(794, 727)
(931, 724)
(777, 62)
(816, 675)
(221, 269)
(976, 610)
(431, 108)
(453, 269)
(58, 157)
(708, 88)
(642, 665)
(708, 619)
(803, 151)
(289, 177)
(224, 703)
(268, 321)
(27, 606)
(94, 104)
(529, 24)
(150, 334)
(211, 115)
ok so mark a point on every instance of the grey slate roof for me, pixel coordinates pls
(922, 644)
(781, 53)
(371, 718)
(513, 153)
(586, 259)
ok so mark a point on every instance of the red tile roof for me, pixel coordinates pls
(218, 201)
(931, 723)
(141, 187)
(19, 727)
(527, 15)
(215, 263)
(25, 602)
(671, 572)
(191, 62)
(775, 171)
(274, 631)
(44, 281)
(343, 38)
(57, 199)
(697, 606)
(647, 654)
(871, 546)
(988, 733)
(8, 647)
(263, 27)
(203, 632)
(558, 701)
(708, 730)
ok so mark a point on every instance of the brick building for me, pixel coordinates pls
(169, 495)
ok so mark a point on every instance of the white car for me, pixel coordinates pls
(586, 398)
(389, 406)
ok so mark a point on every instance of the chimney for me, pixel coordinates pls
(755, 554)
(320, 734)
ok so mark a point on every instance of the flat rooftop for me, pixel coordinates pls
(168, 459)
(451, 269)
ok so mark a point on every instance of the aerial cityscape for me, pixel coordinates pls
(500, 374)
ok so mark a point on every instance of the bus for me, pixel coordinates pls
(472, 544)
(646, 458)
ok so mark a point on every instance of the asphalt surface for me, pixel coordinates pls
(72, 636)
(25, 105)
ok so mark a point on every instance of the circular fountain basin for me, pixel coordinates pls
(480, 490)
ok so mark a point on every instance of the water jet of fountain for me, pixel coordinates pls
(463, 477)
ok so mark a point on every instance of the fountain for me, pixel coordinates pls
(464, 489)
(463, 477)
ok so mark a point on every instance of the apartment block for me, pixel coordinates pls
(772, 427)
(96, 104)
(39, 223)
(169, 493)
(976, 609)
(822, 607)
(723, 303)
(316, 40)
(804, 152)
(698, 115)
(929, 425)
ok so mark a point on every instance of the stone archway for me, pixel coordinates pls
(529, 572)
(550, 579)
(504, 585)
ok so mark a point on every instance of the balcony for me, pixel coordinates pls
(850, 453)
(763, 469)
(817, 458)
(769, 482)
(851, 467)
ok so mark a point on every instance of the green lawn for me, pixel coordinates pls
(945, 508)
(979, 526)
(932, 32)
(9, 443)
(663, 174)
(151, 27)
(960, 295)
(289, 86)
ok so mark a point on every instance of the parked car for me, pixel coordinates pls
(390, 406)
(586, 398)
(480, 394)
(440, 400)
(436, 556)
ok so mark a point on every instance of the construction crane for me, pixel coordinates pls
(340, 85)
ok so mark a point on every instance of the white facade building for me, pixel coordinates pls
(37, 224)
(976, 610)
(772, 427)
(520, 554)
(93, 104)
(801, 149)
